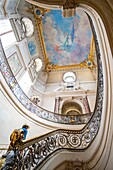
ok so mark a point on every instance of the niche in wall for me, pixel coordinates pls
(72, 105)
(71, 108)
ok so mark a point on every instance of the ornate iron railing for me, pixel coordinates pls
(3, 149)
(32, 153)
(25, 101)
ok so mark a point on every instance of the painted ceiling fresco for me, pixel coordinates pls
(67, 40)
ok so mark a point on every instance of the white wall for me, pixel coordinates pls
(82, 74)
(10, 118)
(48, 102)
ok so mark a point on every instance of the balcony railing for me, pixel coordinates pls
(32, 153)
(42, 113)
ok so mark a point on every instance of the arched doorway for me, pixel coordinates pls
(71, 108)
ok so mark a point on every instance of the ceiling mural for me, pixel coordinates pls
(67, 40)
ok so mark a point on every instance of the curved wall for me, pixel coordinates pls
(99, 155)
(12, 117)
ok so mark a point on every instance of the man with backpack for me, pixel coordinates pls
(16, 139)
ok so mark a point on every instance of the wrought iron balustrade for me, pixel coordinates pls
(32, 153)
(26, 102)
(3, 149)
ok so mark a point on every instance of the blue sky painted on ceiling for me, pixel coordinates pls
(67, 40)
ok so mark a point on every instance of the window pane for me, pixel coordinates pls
(5, 26)
(6, 33)
(8, 39)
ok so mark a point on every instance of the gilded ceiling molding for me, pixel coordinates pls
(104, 9)
(7, 73)
(88, 132)
(38, 14)
(89, 63)
(70, 5)
(28, 104)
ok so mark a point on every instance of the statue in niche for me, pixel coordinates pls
(23, 27)
(28, 26)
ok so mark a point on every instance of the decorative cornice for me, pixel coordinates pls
(88, 133)
(89, 63)
(39, 149)
(8, 75)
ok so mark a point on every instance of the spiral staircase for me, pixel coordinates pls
(63, 142)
